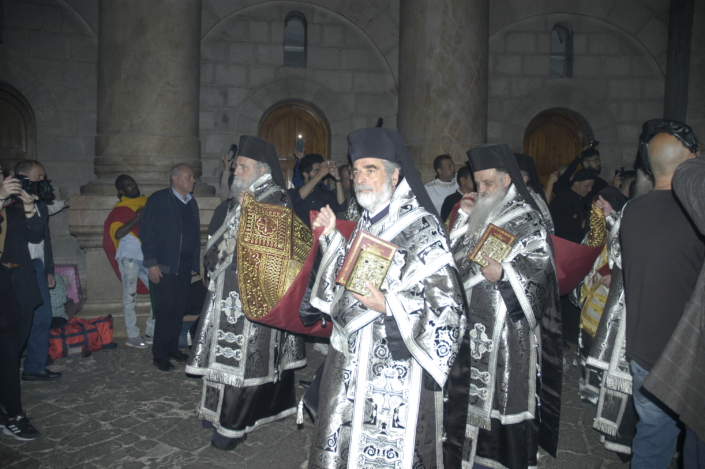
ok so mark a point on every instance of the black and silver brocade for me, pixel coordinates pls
(233, 354)
(510, 364)
(376, 412)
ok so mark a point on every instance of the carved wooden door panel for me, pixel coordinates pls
(553, 138)
(282, 126)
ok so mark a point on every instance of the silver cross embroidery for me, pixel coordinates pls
(479, 342)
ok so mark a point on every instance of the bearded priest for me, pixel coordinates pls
(505, 386)
(247, 368)
(381, 401)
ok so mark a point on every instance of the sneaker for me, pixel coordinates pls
(148, 339)
(135, 342)
(21, 429)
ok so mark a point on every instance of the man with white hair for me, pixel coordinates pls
(247, 367)
(505, 386)
(380, 402)
(170, 232)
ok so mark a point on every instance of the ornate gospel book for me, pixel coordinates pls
(369, 258)
(494, 243)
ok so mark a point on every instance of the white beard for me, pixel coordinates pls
(484, 211)
(372, 201)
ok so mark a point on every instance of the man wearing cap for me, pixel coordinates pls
(380, 402)
(505, 386)
(569, 210)
(247, 368)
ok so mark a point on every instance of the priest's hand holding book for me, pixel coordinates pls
(493, 270)
(376, 301)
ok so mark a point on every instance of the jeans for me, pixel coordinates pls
(693, 451)
(38, 341)
(657, 429)
(131, 270)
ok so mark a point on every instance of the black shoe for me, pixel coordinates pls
(230, 446)
(46, 375)
(50, 361)
(179, 356)
(21, 429)
(163, 364)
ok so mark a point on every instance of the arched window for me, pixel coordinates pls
(562, 51)
(295, 40)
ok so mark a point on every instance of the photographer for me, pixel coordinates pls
(35, 328)
(19, 295)
(314, 195)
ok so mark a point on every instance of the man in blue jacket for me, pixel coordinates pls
(171, 244)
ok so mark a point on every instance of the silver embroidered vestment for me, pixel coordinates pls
(376, 412)
(513, 353)
(233, 354)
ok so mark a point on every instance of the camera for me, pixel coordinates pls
(41, 189)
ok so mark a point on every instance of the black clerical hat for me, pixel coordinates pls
(499, 155)
(388, 144)
(260, 150)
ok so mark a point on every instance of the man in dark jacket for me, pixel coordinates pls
(19, 296)
(171, 245)
(569, 210)
(35, 328)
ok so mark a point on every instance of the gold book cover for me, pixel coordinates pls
(369, 258)
(494, 243)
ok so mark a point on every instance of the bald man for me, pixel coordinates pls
(662, 253)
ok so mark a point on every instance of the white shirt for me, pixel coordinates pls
(36, 251)
(129, 247)
(439, 190)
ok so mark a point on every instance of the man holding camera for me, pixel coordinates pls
(590, 160)
(35, 328)
(313, 195)
(19, 296)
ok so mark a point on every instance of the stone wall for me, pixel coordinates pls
(48, 54)
(350, 72)
(618, 70)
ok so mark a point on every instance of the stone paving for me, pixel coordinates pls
(115, 410)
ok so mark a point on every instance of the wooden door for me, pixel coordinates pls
(554, 138)
(282, 126)
(17, 128)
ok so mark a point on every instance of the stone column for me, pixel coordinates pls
(680, 28)
(696, 85)
(443, 68)
(148, 92)
(148, 109)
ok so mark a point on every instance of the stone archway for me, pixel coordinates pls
(328, 105)
(597, 118)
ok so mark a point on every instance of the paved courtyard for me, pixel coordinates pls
(115, 410)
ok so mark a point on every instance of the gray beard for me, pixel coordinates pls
(240, 184)
(371, 201)
(483, 212)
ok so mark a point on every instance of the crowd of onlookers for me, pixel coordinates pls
(654, 246)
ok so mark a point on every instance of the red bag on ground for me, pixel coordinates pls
(80, 336)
